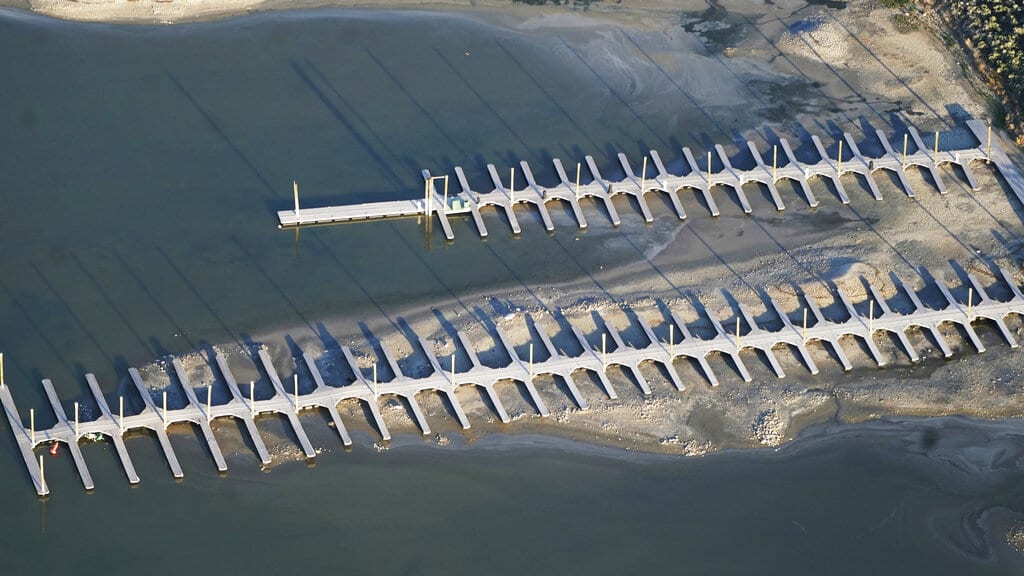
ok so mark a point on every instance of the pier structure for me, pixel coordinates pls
(863, 321)
(653, 176)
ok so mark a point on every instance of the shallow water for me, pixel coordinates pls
(917, 498)
(142, 168)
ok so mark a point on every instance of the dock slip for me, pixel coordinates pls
(671, 340)
(701, 176)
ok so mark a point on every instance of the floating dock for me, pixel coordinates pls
(863, 321)
(700, 176)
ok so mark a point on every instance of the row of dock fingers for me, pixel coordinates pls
(523, 366)
(506, 196)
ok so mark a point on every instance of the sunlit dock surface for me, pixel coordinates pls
(670, 340)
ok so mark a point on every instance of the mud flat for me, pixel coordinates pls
(744, 258)
(849, 70)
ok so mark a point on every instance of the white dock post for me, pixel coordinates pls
(935, 157)
(737, 331)
(709, 168)
(165, 407)
(988, 158)
(453, 370)
(426, 198)
(32, 424)
(672, 340)
(76, 420)
(643, 177)
(905, 138)
(805, 324)
(531, 360)
(42, 474)
(445, 193)
(120, 403)
(970, 303)
(209, 401)
(375, 394)
(296, 380)
(839, 170)
(512, 186)
(578, 166)
(295, 190)
(2, 367)
(604, 351)
(871, 316)
(252, 398)
(775, 159)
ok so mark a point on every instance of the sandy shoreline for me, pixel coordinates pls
(184, 11)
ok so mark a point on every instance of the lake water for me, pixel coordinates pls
(142, 168)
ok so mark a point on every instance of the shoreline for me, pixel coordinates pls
(170, 12)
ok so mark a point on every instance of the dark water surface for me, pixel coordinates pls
(141, 168)
(887, 499)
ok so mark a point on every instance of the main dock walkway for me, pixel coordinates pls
(700, 177)
(445, 377)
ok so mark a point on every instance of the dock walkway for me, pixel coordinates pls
(701, 176)
(732, 338)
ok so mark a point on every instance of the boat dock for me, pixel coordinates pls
(701, 176)
(733, 338)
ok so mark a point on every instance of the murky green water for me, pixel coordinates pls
(141, 170)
